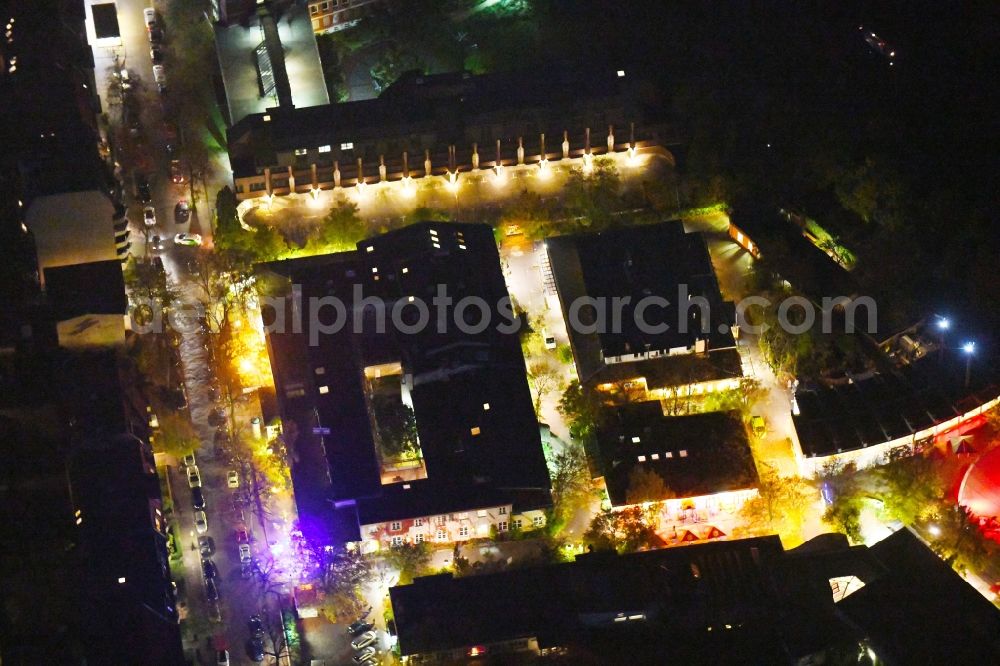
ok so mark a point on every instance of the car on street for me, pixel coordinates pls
(194, 476)
(192, 240)
(149, 16)
(255, 649)
(246, 570)
(222, 658)
(200, 522)
(211, 589)
(242, 536)
(142, 191)
(156, 55)
(149, 216)
(156, 35)
(256, 626)
(177, 172)
(757, 422)
(550, 341)
(208, 568)
(160, 75)
(245, 554)
(365, 654)
(188, 460)
(359, 627)
(182, 212)
(232, 479)
(364, 640)
(157, 243)
(206, 546)
(197, 499)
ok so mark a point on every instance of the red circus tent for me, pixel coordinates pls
(715, 533)
(688, 535)
(980, 489)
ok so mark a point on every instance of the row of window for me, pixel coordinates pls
(463, 531)
(669, 454)
(324, 149)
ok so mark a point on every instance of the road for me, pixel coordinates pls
(206, 625)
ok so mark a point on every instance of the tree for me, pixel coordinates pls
(397, 427)
(392, 63)
(176, 436)
(591, 199)
(243, 246)
(912, 487)
(572, 485)
(960, 541)
(544, 379)
(146, 283)
(780, 506)
(340, 230)
(625, 530)
(645, 485)
(532, 215)
(846, 498)
(409, 559)
(581, 407)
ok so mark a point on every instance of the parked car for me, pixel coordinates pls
(242, 536)
(256, 626)
(197, 499)
(193, 240)
(222, 658)
(156, 35)
(255, 649)
(359, 627)
(245, 554)
(156, 55)
(246, 570)
(208, 568)
(177, 172)
(188, 460)
(149, 216)
(182, 212)
(149, 16)
(157, 243)
(206, 546)
(200, 522)
(364, 640)
(759, 429)
(194, 477)
(232, 479)
(550, 341)
(160, 74)
(365, 654)
(211, 589)
(142, 191)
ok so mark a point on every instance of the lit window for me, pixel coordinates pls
(655, 456)
(323, 390)
(418, 522)
(621, 73)
(267, 119)
(635, 440)
(347, 146)
(641, 458)
(475, 431)
(481, 513)
(324, 149)
(442, 535)
(434, 232)
(486, 406)
(301, 151)
(669, 454)
(395, 526)
(502, 511)
(121, 580)
(419, 538)
(397, 541)
(739, 237)
(440, 520)
(406, 486)
(463, 531)
(320, 370)
(461, 246)
(437, 246)
(502, 526)
(516, 523)
(374, 269)
(684, 453)
(370, 248)
(410, 299)
(405, 270)
(537, 521)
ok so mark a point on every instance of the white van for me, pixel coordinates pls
(149, 14)
(159, 74)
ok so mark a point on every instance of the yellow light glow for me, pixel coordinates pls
(314, 201)
(588, 162)
(544, 172)
(409, 190)
(452, 183)
(632, 158)
(499, 177)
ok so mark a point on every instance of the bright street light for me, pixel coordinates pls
(944, 323)
(969, 347)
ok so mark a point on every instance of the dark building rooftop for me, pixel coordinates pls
(699, 454)
(921, 611)
(454, 108)
(658, 260)
(476, 425)
(94, 288)
(891, 404)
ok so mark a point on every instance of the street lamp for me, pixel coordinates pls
(969, 348)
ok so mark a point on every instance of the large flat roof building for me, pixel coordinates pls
(427, 434)
(657, 275)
